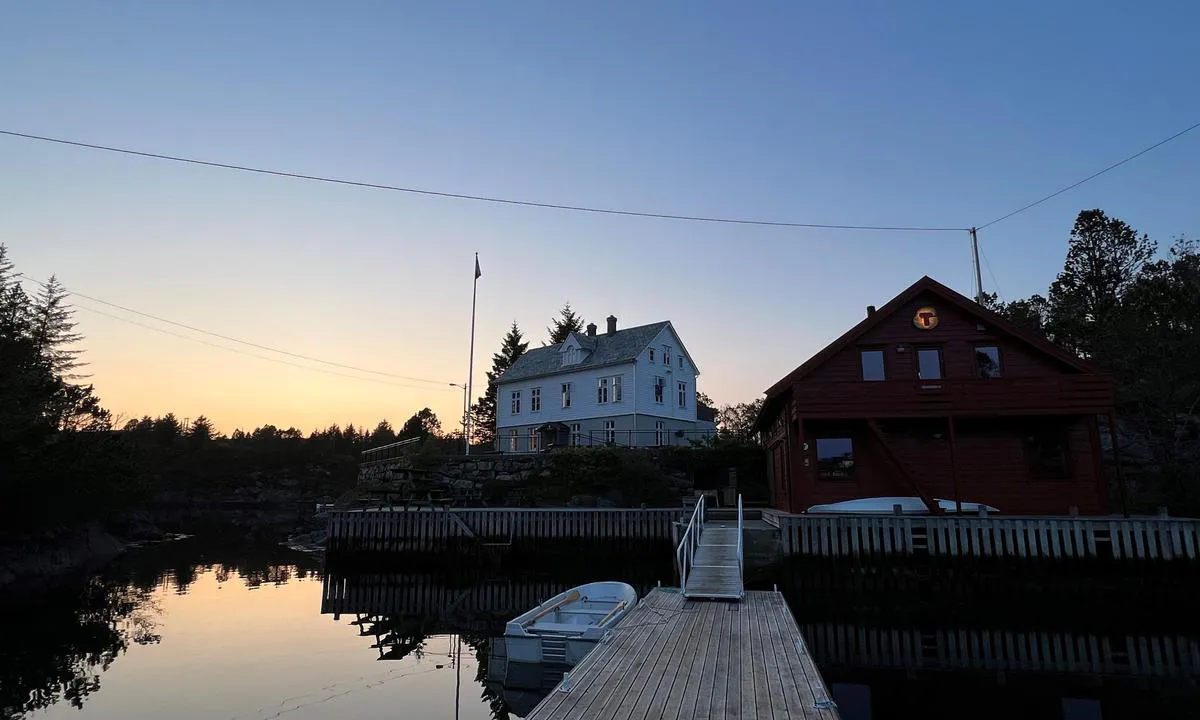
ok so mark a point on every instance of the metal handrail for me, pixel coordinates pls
(686, 552)
(741, 563)
(384, 452)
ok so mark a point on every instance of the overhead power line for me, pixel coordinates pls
(202, 341)
(478, 198)
(239, 341)
(1093, 176)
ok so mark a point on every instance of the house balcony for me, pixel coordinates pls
(1058, 395)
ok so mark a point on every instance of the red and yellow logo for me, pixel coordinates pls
(926, 319)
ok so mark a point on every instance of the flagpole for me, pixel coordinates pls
(471, 361)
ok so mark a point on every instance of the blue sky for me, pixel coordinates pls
(945, 114)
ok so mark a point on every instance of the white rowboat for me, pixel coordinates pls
(566, 627)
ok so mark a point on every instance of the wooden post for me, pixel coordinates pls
(1112, 433)
(954, 468)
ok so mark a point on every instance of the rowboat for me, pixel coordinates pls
(887, 505)
(566, 627)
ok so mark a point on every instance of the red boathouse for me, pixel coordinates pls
(934, 396)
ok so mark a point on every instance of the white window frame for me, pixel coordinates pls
(566, 395)
(682, 395)
(667, 355)
(680, 358)
(533, 440)
(571, 357)
(610, 431)
(616, 388)
(602, 391)
(651, 354)
(535, 399)
(515, 406)
(575, 434)
(660, 433)
(512, 440)
(660, 390)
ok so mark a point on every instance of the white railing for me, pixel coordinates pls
(741, 563)
(686, 552)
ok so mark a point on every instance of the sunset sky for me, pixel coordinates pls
(868, 113)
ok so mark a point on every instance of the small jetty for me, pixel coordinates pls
(674, 657)
(707, 649)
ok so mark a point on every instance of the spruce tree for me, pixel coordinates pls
(566, 323)
(53, 329)
(483, 412)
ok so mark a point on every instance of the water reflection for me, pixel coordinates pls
(197, 631)
(58, 645)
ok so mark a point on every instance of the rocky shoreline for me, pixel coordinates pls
(37, 562)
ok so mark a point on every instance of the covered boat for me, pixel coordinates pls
(566, 627)
(886, 505)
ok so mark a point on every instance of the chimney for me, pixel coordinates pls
(870, 310)
(612, 324)
(591, 329)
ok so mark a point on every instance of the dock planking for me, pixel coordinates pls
(672, 657)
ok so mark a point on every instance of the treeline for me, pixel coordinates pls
(1135, 312)
(63, 462)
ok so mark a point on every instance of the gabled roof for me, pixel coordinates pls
(621, 347)
(968, 306)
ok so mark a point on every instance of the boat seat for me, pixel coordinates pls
(569, 628)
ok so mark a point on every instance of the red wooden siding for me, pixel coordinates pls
(990, 461)
(1038, 386)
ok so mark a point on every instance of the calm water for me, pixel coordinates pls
(196, 631)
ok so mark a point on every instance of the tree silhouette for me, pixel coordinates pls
(483, 412)
(201, 430)
(566, 323)
(423, 424)
(53, 328)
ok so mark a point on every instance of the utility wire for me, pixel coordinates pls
(236, 340)
(479, 198)
(995, 283)
(1093, 176)
(243, 352)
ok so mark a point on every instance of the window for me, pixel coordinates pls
(566, 395)
(929, 363)
(666, 354)
(660, 432)
(516, 402)
(651, 354)
(659, 389)
(512, 441)
(872, 365)
(682, 394)
(571, 357)
(535, 400)
(680, 362)
(616, 388)
(1046, 450)
(602, 390)
(533, 439)
(610, 431)
(987, 361)
(574, 433)
(835, 458)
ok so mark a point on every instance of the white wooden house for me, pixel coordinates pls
(633, 388)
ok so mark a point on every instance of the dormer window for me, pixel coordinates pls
(571, 355)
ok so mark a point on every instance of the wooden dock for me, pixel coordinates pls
(717, 572)
(428, 529)
(677, 658)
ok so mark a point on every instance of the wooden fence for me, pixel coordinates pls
(1150, 538)
(1003, 650)
(421, 529)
